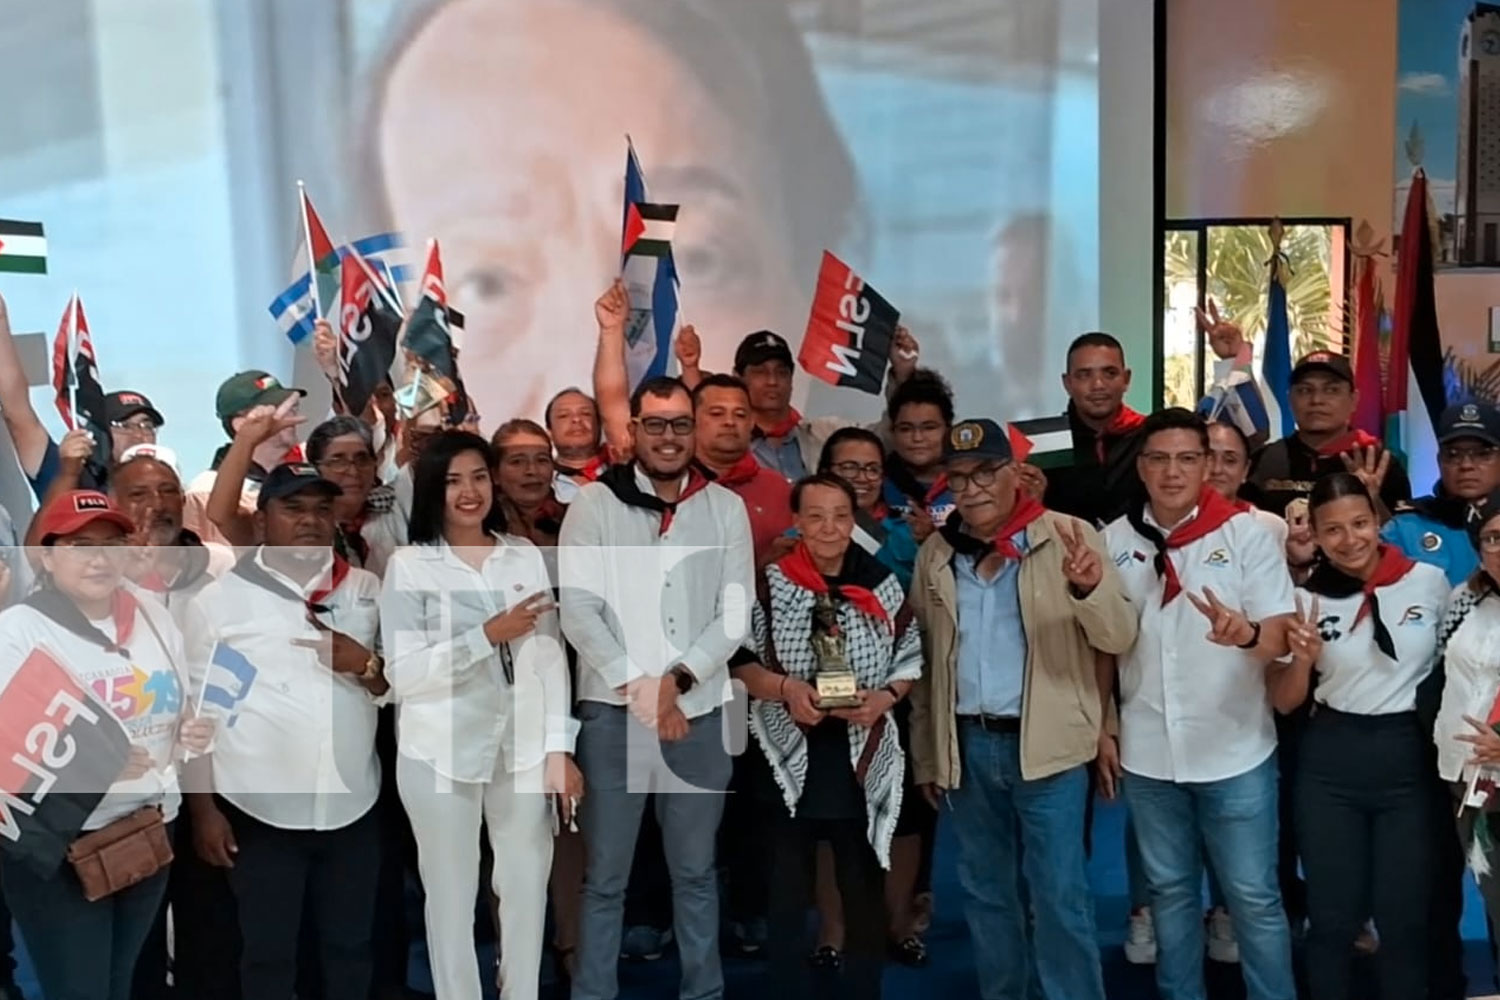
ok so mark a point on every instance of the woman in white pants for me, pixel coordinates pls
(480, 680)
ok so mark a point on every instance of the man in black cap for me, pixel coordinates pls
(1323, 403)
(285, 801)
(241, 396)
(132, 421)
(782, 438)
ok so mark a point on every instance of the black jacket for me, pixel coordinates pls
(1100, 482)
(1286, 470)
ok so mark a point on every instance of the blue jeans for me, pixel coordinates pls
(991, 806)
(1235, 820)
(610, 742)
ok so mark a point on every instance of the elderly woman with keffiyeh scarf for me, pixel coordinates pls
(838, 772)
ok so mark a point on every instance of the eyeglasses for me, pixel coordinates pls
(657, 426)
(983, 476)
(1477, 456)
(143, 427)
(1160, 460)
(112, 549)
(346, 463)
(855, 470)
(1490, 541)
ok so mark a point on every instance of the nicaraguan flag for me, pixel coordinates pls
(650, 276)
(1276, 362)
(227, 684)
(293, 309)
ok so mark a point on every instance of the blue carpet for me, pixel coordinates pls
(950, 972)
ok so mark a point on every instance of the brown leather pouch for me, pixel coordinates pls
(122, 854)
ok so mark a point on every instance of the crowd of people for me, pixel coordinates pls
(519, 673)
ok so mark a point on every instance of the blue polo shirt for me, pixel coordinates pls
(991, 637)
(1428, 540)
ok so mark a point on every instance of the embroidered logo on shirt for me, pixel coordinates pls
(1218, 557)
(1414, 615)
(1327, 628)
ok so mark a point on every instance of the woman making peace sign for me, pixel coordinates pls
(1367, 623)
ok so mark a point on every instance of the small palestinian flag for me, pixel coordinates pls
(1049, 441)
(23, 247)
(649, 229)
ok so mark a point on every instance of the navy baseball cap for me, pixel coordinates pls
(1469, 420)
(982, 438)
(294, 477)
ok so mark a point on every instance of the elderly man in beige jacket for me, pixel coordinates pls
(1015, 604)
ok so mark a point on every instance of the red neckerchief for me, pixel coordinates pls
(591, 470)
(1026, 510)
(294, 456)
(336, 573)
(798, 567)
(154, 582)
(1123, 422)
(1347, 441)
(1391, 567)
(740, 473)
(122, 608)
(937, 489)
(1213, 512)
(1241, 506)
(782, 429)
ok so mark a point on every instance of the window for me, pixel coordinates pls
(1227, 260)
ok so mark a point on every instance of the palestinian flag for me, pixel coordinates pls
(649, 229)
(1046, 442)
(649, 273)
(322, 254)
(60, 750)
(23, 247)
(1414, 394)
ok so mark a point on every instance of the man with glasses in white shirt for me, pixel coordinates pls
(1197, 741)
(654, 631)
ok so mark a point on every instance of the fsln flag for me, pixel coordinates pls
(1276, 361)
(1415, 397)
(60, 750)
(227, 684)
(650, 275)
(23, 247)
(1367, 414)
(850, 330)
(428, 335)
(63, 381)
(368, 327)
(89, 410)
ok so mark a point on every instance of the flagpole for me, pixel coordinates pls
(376, 280)
(73, 358)
(312, 260)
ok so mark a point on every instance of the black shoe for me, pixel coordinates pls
(826, 957)
(909, 951)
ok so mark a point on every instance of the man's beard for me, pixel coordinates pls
(661, 474)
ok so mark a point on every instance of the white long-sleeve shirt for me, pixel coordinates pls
(637, 601)
(296, 750)
(456, 709)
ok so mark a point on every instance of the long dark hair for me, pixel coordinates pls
(1336, 486)
(430, 485)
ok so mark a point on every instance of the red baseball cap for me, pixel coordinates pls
(76, 510)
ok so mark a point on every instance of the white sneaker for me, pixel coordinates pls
(1222, 947)
(1140, 938)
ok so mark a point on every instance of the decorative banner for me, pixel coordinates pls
(850, 330)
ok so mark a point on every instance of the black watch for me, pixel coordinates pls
(684, 678)
(1254, 637)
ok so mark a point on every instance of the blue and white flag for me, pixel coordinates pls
(227, 685)
(294, 310)
(1276, 362)
(650, 276)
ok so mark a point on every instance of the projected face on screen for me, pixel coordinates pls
(502, 133)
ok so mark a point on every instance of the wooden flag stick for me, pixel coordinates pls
(312, 259)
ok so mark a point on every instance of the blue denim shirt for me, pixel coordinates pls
(785, 458)
(991, 638)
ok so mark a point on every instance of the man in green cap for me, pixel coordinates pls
(240, 397)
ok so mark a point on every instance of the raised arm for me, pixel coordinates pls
(259, 426)
(611, 379)
(26, 430)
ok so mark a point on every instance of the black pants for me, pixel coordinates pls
(206, 926)
(861, 883)
(1289, 732)
(1364, 827)
(1445, 945)
(275, 873)
(742, 839)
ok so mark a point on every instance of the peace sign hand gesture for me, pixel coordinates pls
(1081, 563)
(1302, 635)
(1369, 465)
(1229, 627)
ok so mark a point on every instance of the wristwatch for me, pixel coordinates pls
(684, 678)
(1254, 637)
(374, 667)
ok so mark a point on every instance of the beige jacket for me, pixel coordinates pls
(1061, 714)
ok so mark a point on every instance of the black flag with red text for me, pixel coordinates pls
(368, 327)
(850, 330)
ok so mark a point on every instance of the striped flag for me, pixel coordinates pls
(23, 247)
(650, 275)
(227, 684)
(1414, 396)
(1049, 441)
(63, 381)
(1367, 349)
(1276, 362)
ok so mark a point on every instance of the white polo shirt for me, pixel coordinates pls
(146, 691)
(1192, 710)
(637, 601)
(300, 751)
(1352, 674)
(456, 709)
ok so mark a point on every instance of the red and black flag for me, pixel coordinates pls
(60, 750)
(75, 378)
(850, 330)
(368, 326)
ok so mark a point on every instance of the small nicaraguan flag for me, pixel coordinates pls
(23, 247)
(228, 683)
